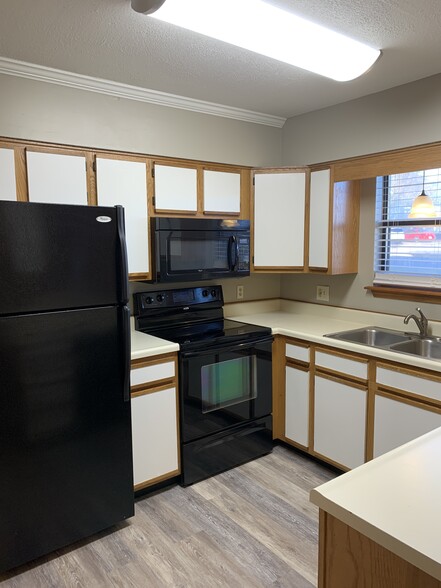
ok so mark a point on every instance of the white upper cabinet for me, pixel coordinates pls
(279, 220)
(175, 188)
(319, 218)
(125, 182)
(221, 192)
(56, 178)
(8, 189)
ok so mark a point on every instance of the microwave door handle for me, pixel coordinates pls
(229, 253)
(234, 245)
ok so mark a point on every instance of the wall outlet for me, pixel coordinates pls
(322, 293)
(239, 292)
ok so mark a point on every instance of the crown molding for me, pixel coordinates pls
(41, 73)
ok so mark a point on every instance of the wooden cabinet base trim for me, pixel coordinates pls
(348, 558)
(157, 480)
(335, 464)
(295, 444)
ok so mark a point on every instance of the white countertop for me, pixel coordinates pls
(395, 500)
(312, 321)
(143, 345)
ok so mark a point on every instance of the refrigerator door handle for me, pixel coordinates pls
(122, 254)
(126, 351)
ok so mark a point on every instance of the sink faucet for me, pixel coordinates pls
(421, 322)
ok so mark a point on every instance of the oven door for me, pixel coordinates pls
(223, 386)
(199, 255)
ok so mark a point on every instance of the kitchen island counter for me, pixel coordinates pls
(393, 500)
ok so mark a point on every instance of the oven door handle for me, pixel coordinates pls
(227, 347)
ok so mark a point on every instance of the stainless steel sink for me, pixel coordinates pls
(428, 348)
(398, 341)
(373, 336)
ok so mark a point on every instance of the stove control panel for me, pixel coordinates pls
(201, 297)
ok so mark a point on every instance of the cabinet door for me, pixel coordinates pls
(125, 183)
(279, 218)
(397, 422)
(221, 192)
(56, 178)
(175, 188)
(319, 200)
(297, 405)
(7, 175)
(339, 421)
(154, 435)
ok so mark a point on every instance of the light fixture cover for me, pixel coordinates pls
(146, 6)
(265, 29)
(422, 207)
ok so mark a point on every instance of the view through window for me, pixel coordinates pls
(408, 243)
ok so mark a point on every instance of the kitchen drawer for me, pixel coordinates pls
(357, 368)
(152, 372)
(299, 352)
(400, 379)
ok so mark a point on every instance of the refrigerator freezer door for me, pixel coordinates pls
(56, 256)
(65, 430)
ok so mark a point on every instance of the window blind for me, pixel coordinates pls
(407, 251)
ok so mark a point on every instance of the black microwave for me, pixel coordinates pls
(193, 249)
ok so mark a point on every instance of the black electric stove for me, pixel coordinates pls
(191, 317)
(225, 378)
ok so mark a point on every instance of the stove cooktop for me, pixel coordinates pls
(210, 333)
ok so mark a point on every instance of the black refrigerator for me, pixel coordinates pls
(65, 423)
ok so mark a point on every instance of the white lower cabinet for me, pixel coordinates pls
(398, 421)
(339, 421)
(154, 436)
(297, 405)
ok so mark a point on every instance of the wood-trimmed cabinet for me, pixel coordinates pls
(334, 218)
(8, 188)
(346, 408)
(279, 208)
(297, 393)
(340, 407)
(155, 433)
(199, 189)
(304, 221)
(407, 404)
(123, 181)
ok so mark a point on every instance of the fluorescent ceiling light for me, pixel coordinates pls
(265, 29)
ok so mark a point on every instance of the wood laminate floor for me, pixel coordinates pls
(250, 527)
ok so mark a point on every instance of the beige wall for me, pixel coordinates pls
(47, 112)
(400, 117)
(404, 116)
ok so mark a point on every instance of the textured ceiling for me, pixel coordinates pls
(106, 39)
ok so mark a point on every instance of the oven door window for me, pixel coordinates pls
(192, 251)
(227, 383)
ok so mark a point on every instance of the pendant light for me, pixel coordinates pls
(422, 206)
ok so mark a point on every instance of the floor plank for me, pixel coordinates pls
(250, 527)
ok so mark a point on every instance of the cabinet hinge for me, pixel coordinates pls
(153, 172)
(253, 259)
(254, 180)
(154, 201)
(94, 165)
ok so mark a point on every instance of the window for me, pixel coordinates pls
(408, 250)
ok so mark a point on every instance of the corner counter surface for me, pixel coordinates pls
(394, 500)
(143, 345)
